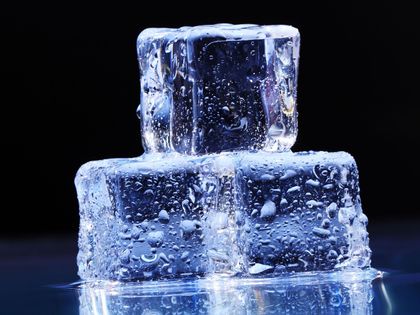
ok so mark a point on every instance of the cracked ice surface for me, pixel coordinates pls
(237, 213)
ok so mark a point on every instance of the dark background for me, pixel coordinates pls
(71, 87)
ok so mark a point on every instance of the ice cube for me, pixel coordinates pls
(137, 219)
(216, 88)
(151, 218)
(302, 211)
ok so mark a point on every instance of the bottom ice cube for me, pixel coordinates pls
(155, 216)
(301, 212)
(165, 216)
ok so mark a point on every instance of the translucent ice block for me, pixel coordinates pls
(301, 212)
(235, 213)
(216, 88)
(150, 217)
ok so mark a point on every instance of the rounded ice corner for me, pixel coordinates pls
(347, 157)
(84, 170)
(89, 169)
(152, 32)
(282, 31)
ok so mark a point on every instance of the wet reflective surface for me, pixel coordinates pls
(36, 275)
(316, 293)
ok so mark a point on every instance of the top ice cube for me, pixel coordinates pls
(215, 88)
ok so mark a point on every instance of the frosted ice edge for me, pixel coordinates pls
(153, 218)
(208, 89)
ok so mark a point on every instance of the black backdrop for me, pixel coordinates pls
(71, 88)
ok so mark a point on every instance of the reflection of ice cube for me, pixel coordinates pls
(218, 88)
(253, 213)
(350, 292)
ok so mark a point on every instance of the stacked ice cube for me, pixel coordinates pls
(218, 189)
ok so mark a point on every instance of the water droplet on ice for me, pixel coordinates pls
(267, 177)
(325, 223)
(314, 203)
(336, 300)
(135, 232)
(321, 232)
(313, 183)
(149, 193)
(293, 189)
(187, 227)
(331, 210)
(138, 111)
(184, 255)
(155, 239)
(125, 256)
(260, 268)
(283, 202)
(288, 174)
(265, 242)
(191, 195)
(186, 206)
(328, 186)
(332, 255)
(149, 258)
(332, 240)
(163, 216)
(268, 210)
(163, 257)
